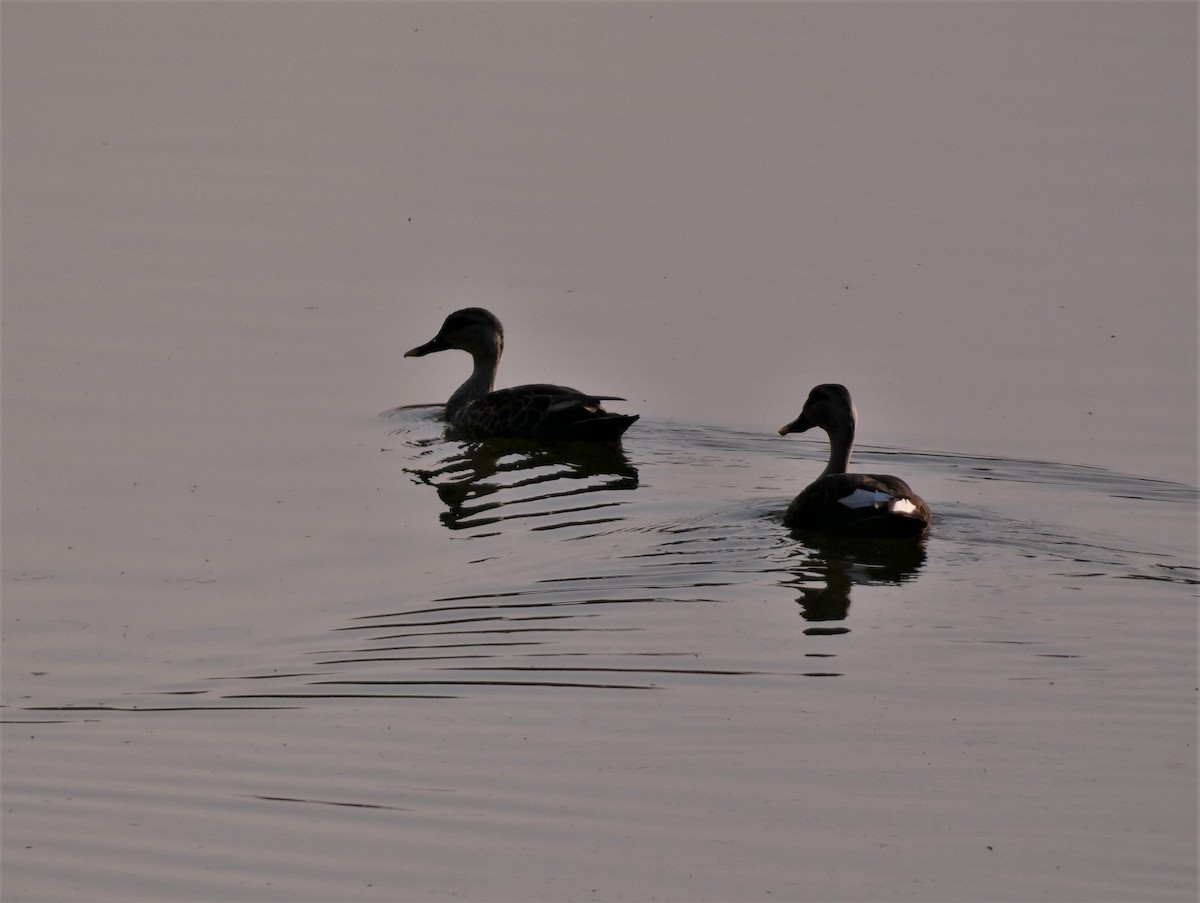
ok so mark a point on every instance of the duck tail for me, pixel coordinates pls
(597, 426)
(605, 428)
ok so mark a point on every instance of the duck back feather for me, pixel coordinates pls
(544, 412)
(859, 504)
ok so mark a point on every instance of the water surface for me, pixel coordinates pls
(614, 674)
(262, 643)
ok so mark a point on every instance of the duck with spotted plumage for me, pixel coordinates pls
(850, 504)
(538, 411)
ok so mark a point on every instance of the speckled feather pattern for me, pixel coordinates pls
(540, 412)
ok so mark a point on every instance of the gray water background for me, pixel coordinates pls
(262, 643)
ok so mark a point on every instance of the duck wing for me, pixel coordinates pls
(544, 412)
(858, 504)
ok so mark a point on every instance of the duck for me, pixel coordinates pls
(843, 503)
(537, 411)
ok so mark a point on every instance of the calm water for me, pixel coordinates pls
(261, 642)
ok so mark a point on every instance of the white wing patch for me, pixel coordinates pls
(865, 498)
(877, 498)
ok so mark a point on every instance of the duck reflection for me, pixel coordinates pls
(486, 482)
(835, 565)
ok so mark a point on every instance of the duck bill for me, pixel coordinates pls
(437, 343)
(799, 425)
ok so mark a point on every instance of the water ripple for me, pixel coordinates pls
(592, 580)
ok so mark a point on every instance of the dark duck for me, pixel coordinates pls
(849, 504)
(538, 411)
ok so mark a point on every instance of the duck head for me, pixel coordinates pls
(829, 407)
(472, 329)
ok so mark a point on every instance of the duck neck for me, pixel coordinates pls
(841, 441)
(481, 380)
